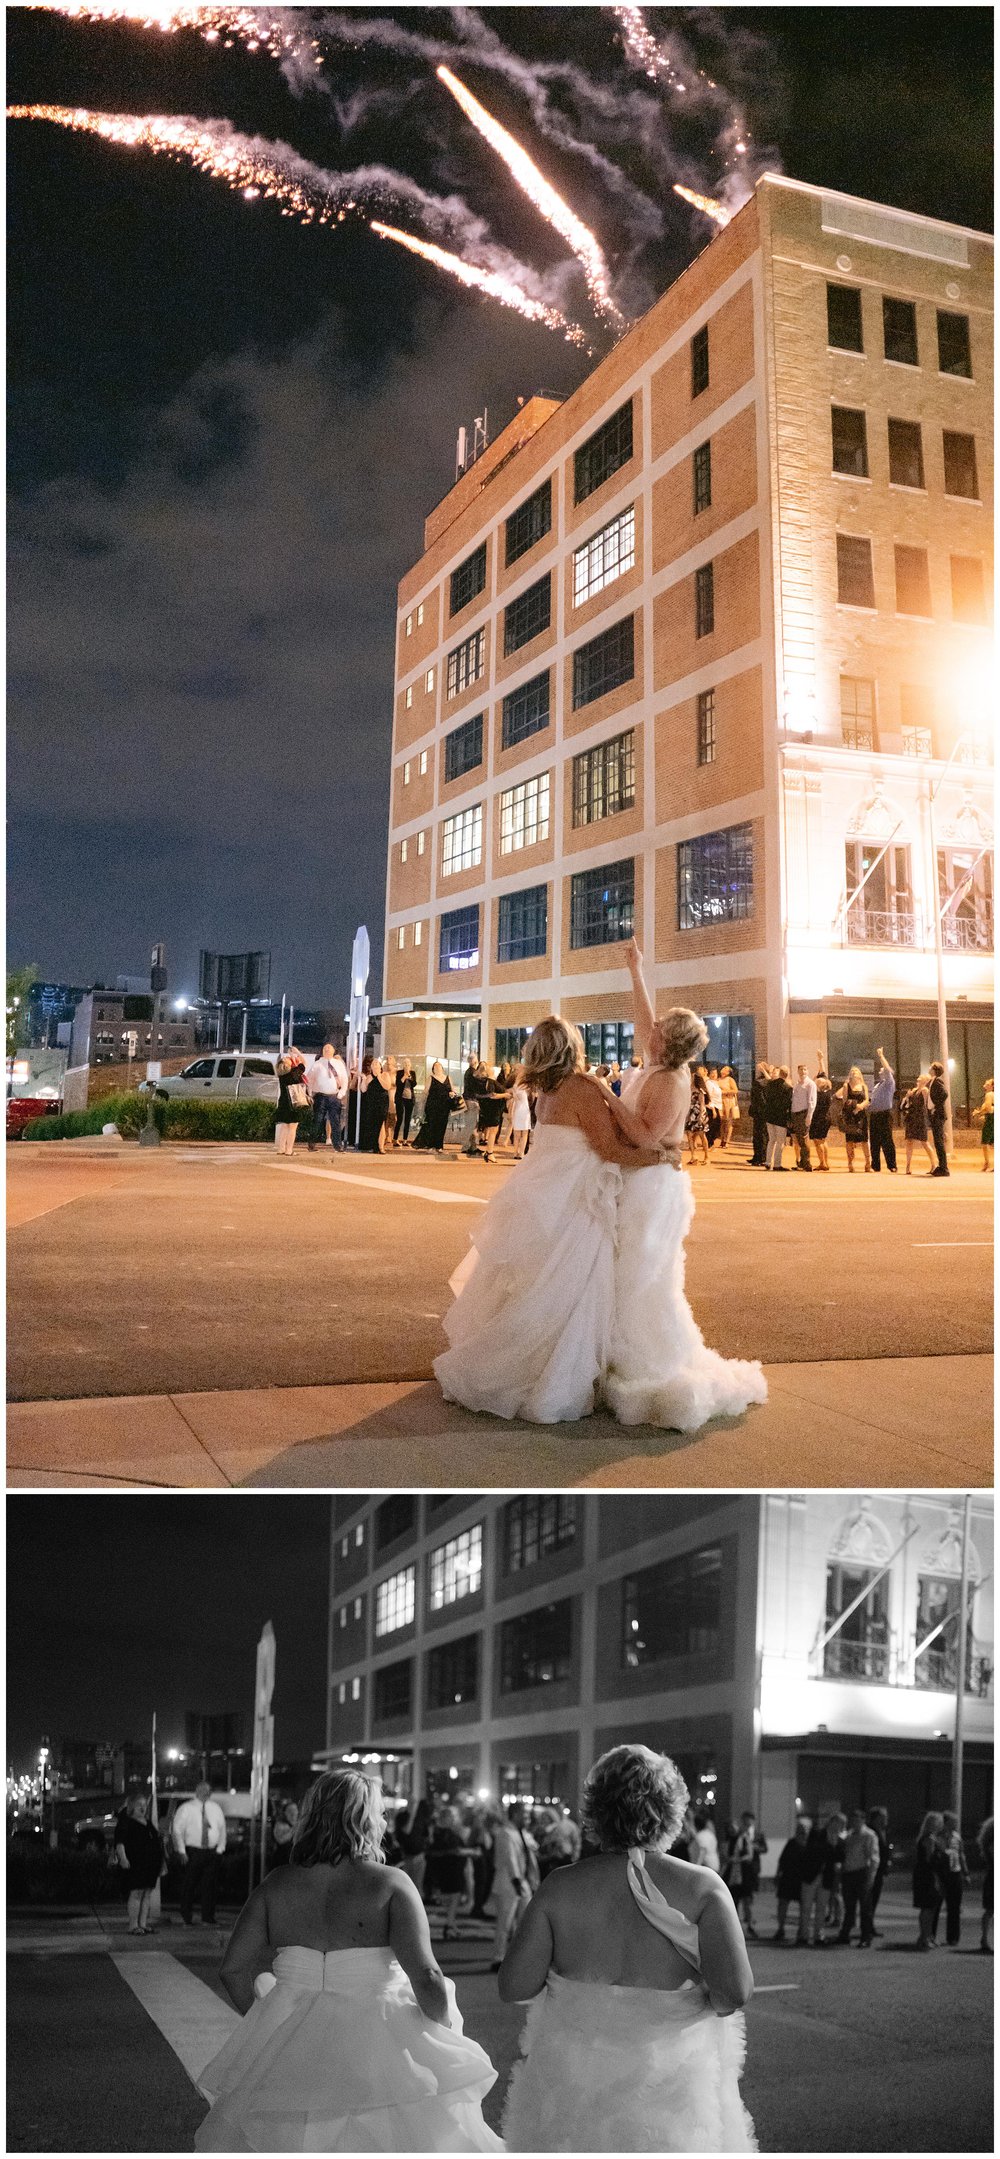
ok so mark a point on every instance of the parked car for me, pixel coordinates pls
(225, 1076)
(22, 1109)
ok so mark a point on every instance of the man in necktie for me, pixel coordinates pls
(199, 1834)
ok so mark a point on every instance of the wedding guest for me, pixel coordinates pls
(804, 1098)
(915, 1112)
(511, 1890)
(746, 1850)
(819, 1123)
(956, 1877)
(389, 1083)
(405, 1094)
(861, 1857)
(326, 1085)
(986, 1848)
(880, 1115)
(286, 1815)
(199, 1834)
(938, 1097)
(446, 1862)
(714, 1091)
(708, 1842)
(758, 1116)
(984, 1116)
(730, 1104)
(879, 1821)
(374, 1107)
(853, 1098)
(291, 1074)
(439, 1102)
(929, 1868)
(696, 1121)
(789, 1878)
(139, 1854)
(778, 1112)
(413, 1831)
(520, 1117)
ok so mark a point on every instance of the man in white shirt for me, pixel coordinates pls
(803, 1105)
(199, 1834)
(326, 1086)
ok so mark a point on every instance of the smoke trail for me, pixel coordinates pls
(707, 204)
(498, 288)
(272, 30)
(544, 196)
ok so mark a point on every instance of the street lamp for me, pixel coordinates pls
(968, 735)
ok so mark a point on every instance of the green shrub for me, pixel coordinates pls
(176, 1120)
(127, 1111)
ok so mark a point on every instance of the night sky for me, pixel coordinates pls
(225, 429)
(121, 1605)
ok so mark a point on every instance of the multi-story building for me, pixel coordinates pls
(701, 654)
(788, 1650)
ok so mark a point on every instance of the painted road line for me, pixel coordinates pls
(954, 1244)
(192, 2019)
(383, 1184)
(790, 1988)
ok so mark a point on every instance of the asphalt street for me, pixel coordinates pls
(883, 2052)
(196, 1268)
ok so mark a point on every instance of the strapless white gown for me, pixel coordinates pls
(336, 2055)
(530, 1327)
(630, 2069)
(660, 1370)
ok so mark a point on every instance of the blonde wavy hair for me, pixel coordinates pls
(552, 1053)
(342, 1817)
(633, 1796)
(677, 1038)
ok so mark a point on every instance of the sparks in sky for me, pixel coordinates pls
(708, 204)
(488, 281)
(251, 168)
(259, 29)
(544, 196)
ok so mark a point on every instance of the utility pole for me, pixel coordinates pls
(960, 1664)
(150, 1134)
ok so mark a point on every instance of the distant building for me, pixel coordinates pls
(792, 1652)
(703, 654)
(115, 1027)
(47, 1014)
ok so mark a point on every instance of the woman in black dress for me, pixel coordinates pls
(448, 1861)
(854, 1096)
(492, 1106)
(406, 1094)
(291, 1073)
(819, 1123)
(929, 1872)
(915, 1115)
(374, 1109)
(441, 1100)
(139, 1854)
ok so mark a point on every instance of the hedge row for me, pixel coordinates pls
(176, 1120)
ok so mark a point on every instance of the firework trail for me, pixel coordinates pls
(271, 30)
(488, 281)
(540, 191)
(708, 204)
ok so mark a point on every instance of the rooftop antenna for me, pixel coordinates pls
(480, 434)
(461, 452)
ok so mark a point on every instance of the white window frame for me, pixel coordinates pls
(422, 766)
(342, 1691)
(462, 841)
(420, 614)
(409, 625)
(404, 846)
(421, 842)
(356, 1690)
(605, 557)
(401, 938)
(418, 933)
(408, 697)
(525, 813)
(429, 680)
(406, 773)
(455, 1569)
(343, 1615)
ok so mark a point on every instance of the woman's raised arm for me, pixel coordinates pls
(645, 1017)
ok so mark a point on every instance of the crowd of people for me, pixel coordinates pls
(383, 1107)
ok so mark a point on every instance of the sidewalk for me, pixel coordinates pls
(921, 1421)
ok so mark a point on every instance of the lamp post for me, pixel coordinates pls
(968, 735)
(960, 1662)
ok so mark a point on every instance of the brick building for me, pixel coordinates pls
(702, 654)
(785, 1648)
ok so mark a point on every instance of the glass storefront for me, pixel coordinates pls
(910, 1046)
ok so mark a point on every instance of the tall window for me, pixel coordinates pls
(394, 1518)
(604, 779)
(899, 332)
(603, 663)
(456, 1568)
(699, 361)
(965, 883)
(917, 714)
(855, 581)
(706, 727)
(960, 475)
(850, 442)
(462, 841)
(939, 1599)
(522, 924)
(526, 710)
(535, 1526)
(459, 946)
(673, 1609)
(860, 1647)
(602, 905)
(469, 579)
(395, 1601)
(843, 318)
(608, 1042)
(393, 1688)
(906, 453)
(528, 523)
(463, 748)
(880, 897)
(857, 712)
(954, 351)
(701, 466)
(968, 598)
(508, 1044)
(913, 584)
(453, 1673)
(528, 615)
(604, 558)
(524, 814)
(603, 453)
(466, 663)
(536, 1649)
(715, 878)
(704, 600)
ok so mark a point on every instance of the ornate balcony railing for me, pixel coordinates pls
(960, 933)
(937, 1669)
(855, 1660)
(868, 926)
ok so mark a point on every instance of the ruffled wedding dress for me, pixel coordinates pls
(660, 1370)
(630, 2069)
(530, 1327)
(336, 2055)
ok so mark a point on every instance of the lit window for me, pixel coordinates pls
(524, 814)
(602, 905)
(857, 712)
(359, 1534)
(459, 947)
(604, 780)
(401, 939)
(420, 614)
(522, 924)
(422, 766)
(462, 841)
(406, 773)
(706, 727)
(403, 849)
(342, 1691)
(456, 1568)
(343, 1615)
(421, 842)
(395, 1601)
(715, 878)
(355, 1690)
(604, 558)
(408, 700)
(357, 1607)
(418, 933)
(429, 679)
(409, 625)
(344, 1543)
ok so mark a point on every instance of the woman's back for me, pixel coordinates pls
(601, 1937)
(325, 1907)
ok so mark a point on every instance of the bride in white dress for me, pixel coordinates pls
(531, 1325)
(351, 2038)
(637, 1971)
(659, 1369)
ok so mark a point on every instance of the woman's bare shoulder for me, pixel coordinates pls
(691, 1886)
